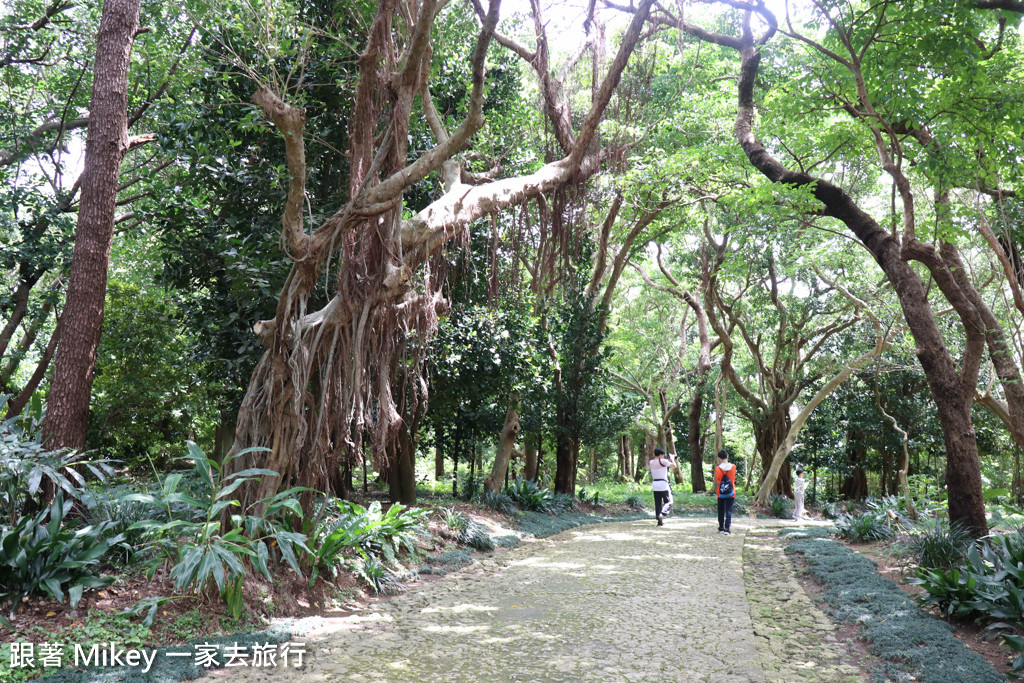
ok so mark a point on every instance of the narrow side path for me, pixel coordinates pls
(624, 601)
(797, 640)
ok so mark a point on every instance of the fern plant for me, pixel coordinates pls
(528, 495)
(869, 526)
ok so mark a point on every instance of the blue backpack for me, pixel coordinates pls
(725, 487)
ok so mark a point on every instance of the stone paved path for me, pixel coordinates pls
(623, 601)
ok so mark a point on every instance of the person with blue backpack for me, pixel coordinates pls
(725, 487)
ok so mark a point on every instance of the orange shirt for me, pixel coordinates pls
(726, 469)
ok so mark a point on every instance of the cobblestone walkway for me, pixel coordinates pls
(624, 601)
(796, 640)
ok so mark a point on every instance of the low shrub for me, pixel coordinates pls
(26, 466)
(868, 526)
(939, 545)
(206, 559)
(42, 555)
(350, 534)
(590, 497)
(528, 495)
(498, 502)
(476, 537)
(635, 501)
(988, 584)
(780, 506)
(453, 519)
(562, 503)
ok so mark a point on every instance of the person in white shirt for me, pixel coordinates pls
(799, 486)
(659, 463)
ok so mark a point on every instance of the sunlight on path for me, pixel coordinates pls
(624, 601)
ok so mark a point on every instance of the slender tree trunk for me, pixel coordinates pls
(17, 312)
(21, 399)
(565, 462)
(506, 445)
(530, 461)
(106, 143)
(439, 452)
(696, 456)
(1018, 481)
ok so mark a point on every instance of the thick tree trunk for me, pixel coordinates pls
(405, 468)
(948, 388)
(769, 436)
(506, 446)
(106, 143)
(855, 484)
(223, 436)
(565, 465)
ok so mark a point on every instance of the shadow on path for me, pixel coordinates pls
(623, 601)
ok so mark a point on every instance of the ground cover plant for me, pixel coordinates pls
(909, 641)
(986, 585)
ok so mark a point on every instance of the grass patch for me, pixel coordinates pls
(912, 644)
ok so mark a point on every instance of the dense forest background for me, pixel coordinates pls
(350, 244)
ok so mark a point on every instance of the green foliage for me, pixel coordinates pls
(635, 501)
(471, 489)
(378, 577)
(590, 497)
(147, 398)
(499, 502)
(453, 519)
(366, 533)
(939, 545)
(860, 528)
(529, 495)
(25, 466)
(908, 641)
(205, 555)
(781, 507)
(41, 555)
(1016, 643)
(988, 583)
(951, 590)
(562, 503)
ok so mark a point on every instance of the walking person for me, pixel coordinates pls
(725, 486)
(799, 486)
(659, 464)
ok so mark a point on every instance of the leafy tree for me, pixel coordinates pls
(148, 399)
